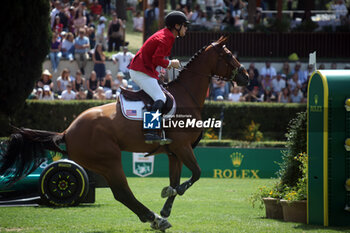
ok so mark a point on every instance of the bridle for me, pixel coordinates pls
(222, 56)
(228, 61)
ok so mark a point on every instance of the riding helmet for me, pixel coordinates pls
(175, 17)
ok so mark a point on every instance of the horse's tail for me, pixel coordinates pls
(25, 151)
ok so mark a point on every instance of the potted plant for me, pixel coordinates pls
(291, 184)
(270, 198)
(294, 198)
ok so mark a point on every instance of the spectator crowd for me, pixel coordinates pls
(81, 32)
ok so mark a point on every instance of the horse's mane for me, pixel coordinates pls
(193, 58)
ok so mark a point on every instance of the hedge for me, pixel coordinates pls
(57, 115)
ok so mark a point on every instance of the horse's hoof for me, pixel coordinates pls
(160, 223)
(168, 192)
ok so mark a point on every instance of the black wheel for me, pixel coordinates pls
(63, 183)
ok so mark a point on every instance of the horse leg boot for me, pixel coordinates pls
(152, 134)
(175, 167)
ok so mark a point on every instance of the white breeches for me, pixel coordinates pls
(148, 84)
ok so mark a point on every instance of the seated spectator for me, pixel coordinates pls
(294, 82)
(100, 94)
(68, 94)
(296, 96)
(45, 80)
(219, 87)
(309, 70)
(68, 47)
(286, 70)
(138, 22)
(340, 9)
(63, 81)
(55, 51)
(82, 46)
(100, 31)
(268, 70)
(266, 82)
(78, 82)
(92, 84)
(228, 22)
(322, 66)
(195, 13)
(39, 93)
(57, 26)
(254, 77)
(268, 96)
(278, 83)
(81, 95)
(99, 58)
(47, 94)
(107, 81)
(235, 94)
(301, 74)
(284, 96)
(253, 96)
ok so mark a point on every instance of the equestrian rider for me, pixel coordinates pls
(152, 54)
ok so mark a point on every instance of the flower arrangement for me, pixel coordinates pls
(292, 182)
(273, 191)
(299, 191)
(252, 133)
(210, 134)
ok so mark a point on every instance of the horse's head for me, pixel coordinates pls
(227, 65)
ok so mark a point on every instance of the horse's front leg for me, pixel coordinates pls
(186, 155)
(175, 166)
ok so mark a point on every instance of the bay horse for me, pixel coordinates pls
(97, 136)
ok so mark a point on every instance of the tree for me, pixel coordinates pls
(24, 45)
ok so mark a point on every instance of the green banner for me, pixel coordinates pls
(215, 162)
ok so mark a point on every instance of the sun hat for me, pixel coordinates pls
(47, 72)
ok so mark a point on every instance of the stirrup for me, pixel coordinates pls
(151, 138)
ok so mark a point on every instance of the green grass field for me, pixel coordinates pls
(211, 205)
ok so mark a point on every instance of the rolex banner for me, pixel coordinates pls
(215, 162)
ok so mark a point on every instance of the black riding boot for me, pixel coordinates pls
(152, 134)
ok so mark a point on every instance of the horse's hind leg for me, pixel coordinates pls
(116, 179)
(175, 166)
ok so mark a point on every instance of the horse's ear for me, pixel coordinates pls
(222, 40)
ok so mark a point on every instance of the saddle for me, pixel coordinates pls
(141, 95)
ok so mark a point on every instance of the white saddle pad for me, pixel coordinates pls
(133, 110)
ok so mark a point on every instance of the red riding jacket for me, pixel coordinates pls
(153, 53)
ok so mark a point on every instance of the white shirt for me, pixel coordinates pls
(268, 71)
(124, 60)
(100, 29)
(53, 14)
(63, 82)
(234, 97)
(68, 96)
(278, 85)
(66, 44)
(138, 23)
